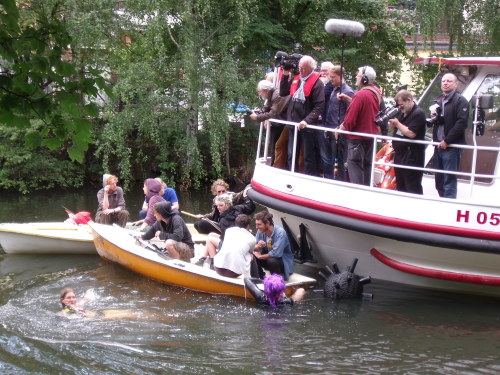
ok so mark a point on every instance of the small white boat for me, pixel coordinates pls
(55, 238)
(46, 238)
(419, 240)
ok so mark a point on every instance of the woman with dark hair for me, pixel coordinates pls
(274, 291)
(69, 303)
(170, 227)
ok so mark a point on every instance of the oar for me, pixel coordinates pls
(212, 223)
(151, 246)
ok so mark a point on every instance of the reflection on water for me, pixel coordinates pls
(171, 330)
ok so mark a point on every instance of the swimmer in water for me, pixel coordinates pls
(69, 303)
(71, 308)
(274, 291)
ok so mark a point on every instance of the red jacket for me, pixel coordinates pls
(360, 115)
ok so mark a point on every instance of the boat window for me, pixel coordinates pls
(486, 160)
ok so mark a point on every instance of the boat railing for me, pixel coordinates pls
(382, 139)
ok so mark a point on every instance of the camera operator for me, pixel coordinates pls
(410, 123)
(274, 108)
(360, 116)
(449, 127)
(306, 105)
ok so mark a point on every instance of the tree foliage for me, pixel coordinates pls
(39, 81)
(473, 26)
(175, 65)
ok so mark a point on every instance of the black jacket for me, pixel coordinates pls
(456, 114)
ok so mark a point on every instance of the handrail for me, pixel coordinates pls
(384, 138)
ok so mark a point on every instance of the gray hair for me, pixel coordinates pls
(265, 85)
(329, 65)
(368, 72)
(312, 63)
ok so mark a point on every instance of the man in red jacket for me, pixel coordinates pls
(360, 118)
(307, 100)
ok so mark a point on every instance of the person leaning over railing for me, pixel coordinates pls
(410, 123)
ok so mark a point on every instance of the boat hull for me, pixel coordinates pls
(46, 238)
(115, 245)
(426, 246)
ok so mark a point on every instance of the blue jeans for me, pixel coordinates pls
(447, 160)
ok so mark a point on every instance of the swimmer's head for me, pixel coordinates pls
(68, 297)
(274, 286)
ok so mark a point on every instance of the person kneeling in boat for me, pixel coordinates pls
(170, 227)
(235, 255)
(272, 250)
(274, 291)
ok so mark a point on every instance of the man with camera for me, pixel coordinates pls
(307, 99)
(450, 122)
(409, 123)
(274, 108)
(360, 118)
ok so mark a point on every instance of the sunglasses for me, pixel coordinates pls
(220, 191)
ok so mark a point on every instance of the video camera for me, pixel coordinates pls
(288, 62)
(435, 110)
(383, 116)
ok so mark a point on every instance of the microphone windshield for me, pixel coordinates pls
(344, 27)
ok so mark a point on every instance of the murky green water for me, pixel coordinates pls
(170, 330)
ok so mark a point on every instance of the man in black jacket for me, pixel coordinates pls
(449, 128)
(409, 124)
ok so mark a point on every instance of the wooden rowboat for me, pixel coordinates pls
(116, 245)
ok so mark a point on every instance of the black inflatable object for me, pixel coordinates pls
(345, 284)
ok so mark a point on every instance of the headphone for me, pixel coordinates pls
(364, 77)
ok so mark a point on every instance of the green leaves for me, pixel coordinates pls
(39, 79)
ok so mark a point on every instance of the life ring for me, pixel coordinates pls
(386, 175)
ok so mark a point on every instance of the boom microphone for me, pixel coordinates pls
(344, 27)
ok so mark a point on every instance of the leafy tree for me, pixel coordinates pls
(473, 27)
(39, 81)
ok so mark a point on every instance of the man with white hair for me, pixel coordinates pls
(307, 100)
(360, 118)
(274, 108)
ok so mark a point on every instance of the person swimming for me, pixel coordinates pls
(70, 305)
(274, 291)
(71, 308)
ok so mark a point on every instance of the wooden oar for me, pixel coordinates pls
(189, 214)
(212, 223)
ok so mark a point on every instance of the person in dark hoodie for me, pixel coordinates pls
(152, 189)
(170, 227)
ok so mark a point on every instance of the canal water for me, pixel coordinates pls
(169, 330)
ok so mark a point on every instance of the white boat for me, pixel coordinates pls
(419, 240)
(55, 238)
(46, 238)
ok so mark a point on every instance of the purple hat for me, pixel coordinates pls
(274, 286)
